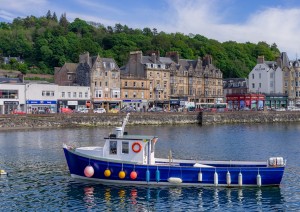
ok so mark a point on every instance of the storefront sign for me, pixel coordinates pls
(72, 102)
(40, 102)
(11, 102)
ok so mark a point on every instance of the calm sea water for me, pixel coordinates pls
(38, 178)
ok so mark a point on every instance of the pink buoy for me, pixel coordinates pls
(89, 171)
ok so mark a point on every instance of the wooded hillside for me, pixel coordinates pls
(46, 42)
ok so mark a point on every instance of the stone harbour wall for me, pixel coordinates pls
(11, 122)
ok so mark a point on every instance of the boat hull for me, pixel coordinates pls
(172, 174)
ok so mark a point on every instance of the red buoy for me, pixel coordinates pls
(133, 175)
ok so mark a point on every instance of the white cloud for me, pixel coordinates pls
(273, 25)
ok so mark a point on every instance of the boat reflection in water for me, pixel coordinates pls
(143, 198)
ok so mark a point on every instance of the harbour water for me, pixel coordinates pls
(38, 178)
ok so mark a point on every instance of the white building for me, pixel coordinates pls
(12, 97)
(41, 97)
(266, 77)
(73, 97)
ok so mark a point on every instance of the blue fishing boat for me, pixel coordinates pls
(130, 159)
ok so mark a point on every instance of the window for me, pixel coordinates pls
(63, 94)
(106, 83)
(47, 93)
(98, 93)
(134, 84)
(69, 94)
(126, 84)
(142, 95)
(285, 83)
(165, 84)
(80, 94)
(259, 75)
(271, 75)
(8, 94)
(271, 84)
(134, 94)
(150, 74)
(113, 147)
(142, 84)
(259, 85)
(125, 147)
(126, 94)
(69, 77)
(253, 85)
(86, 95)
(106, 73)
(150, 95)
(74, 94)
(252, 76)
(165, 74)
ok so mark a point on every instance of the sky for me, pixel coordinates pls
(272, 21)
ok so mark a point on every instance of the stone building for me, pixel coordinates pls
(235, 86)
(65, 75)
(103, 77)
(196, 81)
(148, 79)
(171, 80)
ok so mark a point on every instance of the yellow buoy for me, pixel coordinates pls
(122, 174)
(107, 173)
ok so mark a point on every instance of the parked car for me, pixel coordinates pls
(128, 109)
(99, 110)
(156, 109)
(65, 110)
(113, 110)
(18, 112)
(82, 110)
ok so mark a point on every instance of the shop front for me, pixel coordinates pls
(107, 103)
(139, 105)
(245, 101)
(71, 104)
(41, 106)
(276, 101)
(10, 106)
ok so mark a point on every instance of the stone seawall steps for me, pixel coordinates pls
(12, 122)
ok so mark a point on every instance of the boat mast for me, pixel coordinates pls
(125, 122)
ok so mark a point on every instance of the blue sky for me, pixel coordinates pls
(273, 21)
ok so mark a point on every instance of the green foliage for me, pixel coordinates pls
(45, 43)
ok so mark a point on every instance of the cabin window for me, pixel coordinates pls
(125, 147)
(113, 147)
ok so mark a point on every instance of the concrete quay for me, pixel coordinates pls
(42, 121)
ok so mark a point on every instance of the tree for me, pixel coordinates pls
(63, 20)
(54, 17)
(48, 15)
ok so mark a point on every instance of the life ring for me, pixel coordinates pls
(139, 147)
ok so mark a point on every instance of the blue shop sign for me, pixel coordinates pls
(40, 102)
(132, 100)
(174, 102)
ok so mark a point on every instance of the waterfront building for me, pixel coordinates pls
(235, 86)
(65, 75)
(197, 81)
(173, 81)
(295, 80)
(134, 92)
(12, 97)
(41, 97)
(103, 77)
(266, 77)
(73, 97)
